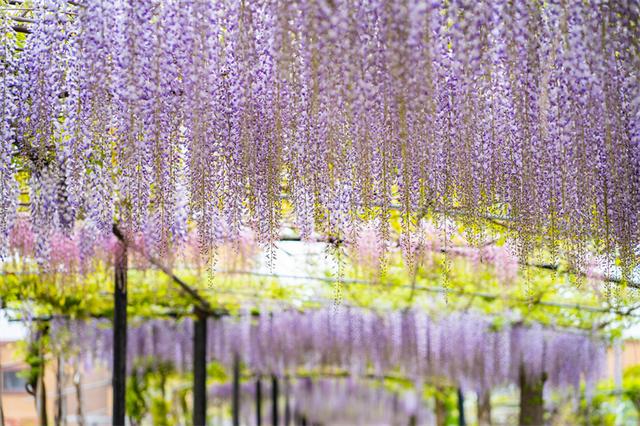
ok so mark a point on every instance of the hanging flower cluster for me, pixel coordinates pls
(159, 113)
(464, 349)
(153, 340)
(334, 401)
(79, 250)
(8, 112)
(427, 241)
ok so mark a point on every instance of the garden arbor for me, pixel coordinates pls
(464, 350)
(160, 115)
(468, 350)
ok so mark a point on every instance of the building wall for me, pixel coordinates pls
(630, 356)
(19, 406)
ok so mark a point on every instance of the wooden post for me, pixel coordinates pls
(200, 331)
(287, 408)
(274, 400)
(120, 335)
(120, 321)
(461, 419)
(77, 383)
(484, 408)
(41, 390)
(235, 406)
(531, 399)
(200, 369)
(41, 394)
(258, 402)
(441, 406)
(60, 416)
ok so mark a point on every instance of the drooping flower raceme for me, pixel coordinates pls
(462, 349)
(155, 113)
(8, 111)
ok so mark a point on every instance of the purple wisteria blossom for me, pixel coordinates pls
(161, 114)
(466, 350)
(8, 112)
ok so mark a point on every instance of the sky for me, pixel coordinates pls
(10, 330)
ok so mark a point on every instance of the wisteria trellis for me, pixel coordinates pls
(465, 349)
(156, 113)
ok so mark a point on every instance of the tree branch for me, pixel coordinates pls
(204, 304)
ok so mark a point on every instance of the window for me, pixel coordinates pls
(12, 381)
